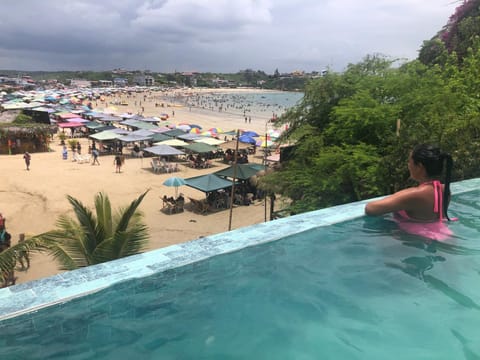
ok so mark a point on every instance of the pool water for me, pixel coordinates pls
(360, 289)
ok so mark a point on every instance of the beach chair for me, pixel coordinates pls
(155, 167)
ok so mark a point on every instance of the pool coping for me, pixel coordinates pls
(30, 296)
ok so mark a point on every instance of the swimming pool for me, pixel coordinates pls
(355, 289)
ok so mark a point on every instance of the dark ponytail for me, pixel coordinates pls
(448, 177)
(434, 161)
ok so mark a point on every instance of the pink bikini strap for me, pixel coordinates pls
(437, 190)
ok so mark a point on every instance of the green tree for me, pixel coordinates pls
(92, 239)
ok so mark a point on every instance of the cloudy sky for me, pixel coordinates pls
(213, 35)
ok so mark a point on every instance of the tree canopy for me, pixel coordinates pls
(353, 130)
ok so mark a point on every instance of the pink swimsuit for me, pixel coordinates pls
(435, 230)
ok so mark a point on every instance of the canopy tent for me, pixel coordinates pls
(93, 125)
(174, 132)
(209, 141)
(200, 148)
(70, 125)
(108, 118)
(105, 135)
(173, 142)
(133, 138)
(142, 132)
(208, 183)
(108, 127)
(190, 137)
(77, 120)
(163, 150)
(158, 137)
(139, 124)
(244, 171)
(120, 131)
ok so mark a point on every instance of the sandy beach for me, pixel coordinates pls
(32, 200)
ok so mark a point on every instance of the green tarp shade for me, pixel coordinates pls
(200, 148)
(208, 183)
(174, 132)
(244, 171)
(105, 135)
(139, 124)
(157, 137)
(93, 125)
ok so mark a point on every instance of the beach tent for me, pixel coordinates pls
(209, 141)
(108, 118)
(139, 124)
(163, 150)
(190, 137)
(105, 135)
(133, 138)
(200, 148)
(142, 132)
(244, 171)
(69, 125)
(173, 142)
(93, 125)
(158, 137)
(77, 120)
(174, 132)
(208, 183)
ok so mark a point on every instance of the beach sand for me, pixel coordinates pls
(32, 200)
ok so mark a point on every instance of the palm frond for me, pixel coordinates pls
(88, 223)
(8, 257)
(129, 212)
(104, 215)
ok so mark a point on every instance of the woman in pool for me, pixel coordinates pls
(420, 210)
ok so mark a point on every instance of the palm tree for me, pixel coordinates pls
(92, 239)
(10, 256)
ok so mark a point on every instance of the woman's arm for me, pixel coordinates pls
(401, 200)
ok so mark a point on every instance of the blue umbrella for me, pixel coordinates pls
(250, 133)
(195, 126)
(246, 139)
(176, 182)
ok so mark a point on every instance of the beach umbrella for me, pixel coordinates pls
(274, 133)
(195, 130)
(208, 133)
(215, 130)
(175, 182)
(184, 127)
(195, 126)
(246, 139)
(264, 143)
(250, 133)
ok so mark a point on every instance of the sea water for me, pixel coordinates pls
(355, 290)
(257, 105)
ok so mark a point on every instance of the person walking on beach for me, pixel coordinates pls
(118, 163)
(95, 156)
(27, 159)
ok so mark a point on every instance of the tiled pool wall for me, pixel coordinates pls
(33, 295)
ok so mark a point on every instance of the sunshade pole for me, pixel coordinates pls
(232, 197)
